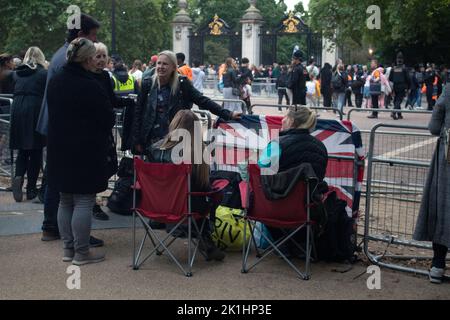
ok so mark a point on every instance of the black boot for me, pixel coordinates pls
(32, 193)
(17, 185)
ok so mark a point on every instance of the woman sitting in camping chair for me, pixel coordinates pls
(170, 149)
(297, 146)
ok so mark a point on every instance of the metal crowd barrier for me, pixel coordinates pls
(261, 87)
(341, 115)
(398, 164)
(350, 111)
(242, 102)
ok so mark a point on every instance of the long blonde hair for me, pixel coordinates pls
(34, 57)
(186, 119)
(174, 78)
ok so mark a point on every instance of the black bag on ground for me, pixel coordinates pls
(121, 199)
(336, 241)
(231, 194)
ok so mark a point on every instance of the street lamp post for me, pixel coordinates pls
(113, 26)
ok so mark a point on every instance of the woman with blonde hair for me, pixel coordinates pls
(187, 125)
(295, 147)
(162, 96)
(231, 88)
(30, 79)
(81, 118)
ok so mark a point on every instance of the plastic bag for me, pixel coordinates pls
(229, 229)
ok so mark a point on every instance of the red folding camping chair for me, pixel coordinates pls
(165, 196)
(291, 213)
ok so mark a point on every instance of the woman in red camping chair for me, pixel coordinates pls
(296, 146)
(170, 149)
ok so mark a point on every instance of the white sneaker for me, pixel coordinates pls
(436, 275)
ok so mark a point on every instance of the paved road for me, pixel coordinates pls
(33, 269)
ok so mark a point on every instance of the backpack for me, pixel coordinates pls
(337, 240)
(121, 199)
(337, 82)
(282, 80)
(231, 194)
(400, 78)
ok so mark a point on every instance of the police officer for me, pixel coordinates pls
(124, 83)
(400, 78)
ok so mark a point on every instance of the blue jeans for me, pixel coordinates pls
(339, 100)
(419, 97)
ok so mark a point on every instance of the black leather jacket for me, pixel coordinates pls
(186, 95)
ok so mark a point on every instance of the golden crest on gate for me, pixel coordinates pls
(290, 24)
(216, 26)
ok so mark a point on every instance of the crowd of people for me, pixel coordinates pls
(363, 86)
(69, 106)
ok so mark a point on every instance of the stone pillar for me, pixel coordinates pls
(181, 30)
(331, 55)
(252, 22)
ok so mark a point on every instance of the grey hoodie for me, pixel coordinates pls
(198, 77)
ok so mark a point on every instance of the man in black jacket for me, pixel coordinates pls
(297, 79)
(244, 72)
(433, 83)
(400, 78)
(357, 86)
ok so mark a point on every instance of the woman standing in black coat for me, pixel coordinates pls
(325, 84)
(30, 79)
(81, 118)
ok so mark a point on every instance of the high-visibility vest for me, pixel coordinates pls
(186, 71)
(124, 88)
(435, 89)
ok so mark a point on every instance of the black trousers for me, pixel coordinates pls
(348, 98)
(29, 162)
(440, 254)
(374, 104)
(282, 93)
(358, 99)
(431, 102)
(326, 99)
(398, 99)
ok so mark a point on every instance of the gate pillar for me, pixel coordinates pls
(181, 30)
(252, 22)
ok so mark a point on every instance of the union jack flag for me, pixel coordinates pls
(341, 138)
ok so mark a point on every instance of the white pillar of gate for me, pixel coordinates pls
(252, 22)
(329, 52)
(181, 30)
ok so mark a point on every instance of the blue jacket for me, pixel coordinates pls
(58, 61)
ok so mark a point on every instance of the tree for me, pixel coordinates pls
(414, 26)
(35, 23)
